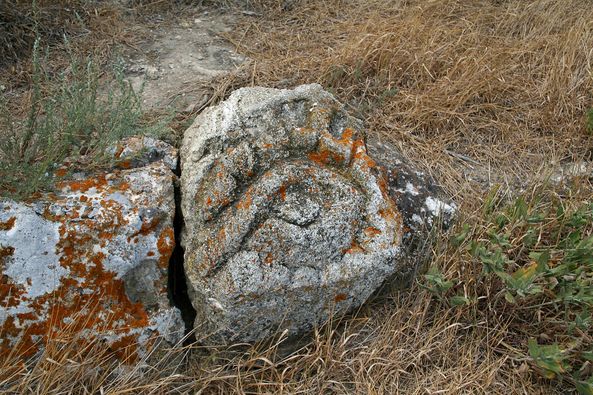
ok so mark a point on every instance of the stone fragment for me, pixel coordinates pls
(419, 199)
(139, 151)
(93, 257)
(287, 218)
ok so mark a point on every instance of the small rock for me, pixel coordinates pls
(152, 73)
(139, 151)
(136, 68)
(566, 172)
(250, 13)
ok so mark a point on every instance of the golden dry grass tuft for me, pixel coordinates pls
(477, 93)
(469, 89)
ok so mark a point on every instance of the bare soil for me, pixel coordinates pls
(177, 60)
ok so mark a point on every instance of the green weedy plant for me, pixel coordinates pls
(536, 256)
(68, 118)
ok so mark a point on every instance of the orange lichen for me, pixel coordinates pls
(245, 201)
(347, 135)
(124, 164)
(372, 231)
(85, 185)
(388, 214)
(62, 308)
(165, 246)
(111, 308)
(359, 153)
(221, 235)
(354, 248)
(282, 192)
(61, 172)
(383, 187)
(10, 293)
(324, 157)
(147, 228)
(215, 197)
(125, 348)
(106, 235)
(8, 225)
(340, 298)
(6, 251)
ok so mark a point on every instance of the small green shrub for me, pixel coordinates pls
(70, 117)
(536, 258)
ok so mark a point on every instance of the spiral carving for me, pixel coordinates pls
(287, 217)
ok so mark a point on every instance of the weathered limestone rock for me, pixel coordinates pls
(287, 218)
(93, 257)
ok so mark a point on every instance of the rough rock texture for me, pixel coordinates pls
(93, 257)
(420, 201)
(287, 218)
(135, 152)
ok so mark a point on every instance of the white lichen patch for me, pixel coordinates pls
(411, 189)
(438, 207)
(417, 219)
(33, 263)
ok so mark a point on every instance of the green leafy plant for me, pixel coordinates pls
(436, 283)
(549, 358)
(537, 255)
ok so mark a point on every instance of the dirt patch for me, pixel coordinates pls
(175, 63)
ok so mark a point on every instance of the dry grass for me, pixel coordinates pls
(21, 22)
(104, 29)
(71, 363)
(495, 91)
(483, 88)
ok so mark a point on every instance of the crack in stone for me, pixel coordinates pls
(177, 284)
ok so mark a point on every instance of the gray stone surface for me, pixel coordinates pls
(139, 151)
(287, 219)
(423, 206)
(94, 256)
